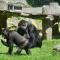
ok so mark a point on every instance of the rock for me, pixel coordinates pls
(57, 48)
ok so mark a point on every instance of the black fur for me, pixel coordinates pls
(12, 37)
(31, 32)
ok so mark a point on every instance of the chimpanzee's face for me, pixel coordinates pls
(23, 26)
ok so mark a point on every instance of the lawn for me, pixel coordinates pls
(44, 53)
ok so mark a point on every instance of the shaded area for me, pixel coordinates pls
(57, 28)
(3, 22)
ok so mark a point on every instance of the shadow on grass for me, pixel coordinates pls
(13, 54)
(3, 53)
(20, 54)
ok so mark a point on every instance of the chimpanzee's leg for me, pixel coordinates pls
(10, 44)
(10, 49)
(28, 51)
(18, 51)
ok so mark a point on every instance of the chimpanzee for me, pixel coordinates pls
(30, 31)
(12, 37)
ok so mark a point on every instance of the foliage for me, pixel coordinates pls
(37, 3)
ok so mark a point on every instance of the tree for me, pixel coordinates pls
(38, 3)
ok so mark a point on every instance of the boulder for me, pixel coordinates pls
(57, 48)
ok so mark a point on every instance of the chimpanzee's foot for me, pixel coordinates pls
(9, 53)
(18, 51)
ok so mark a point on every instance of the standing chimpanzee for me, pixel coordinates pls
(30, 32)
(12, 37)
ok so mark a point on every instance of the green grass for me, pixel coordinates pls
(44, 53)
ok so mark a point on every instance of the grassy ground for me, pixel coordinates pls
(44, 53)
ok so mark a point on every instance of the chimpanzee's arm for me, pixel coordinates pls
(27, 33)
(5, 43)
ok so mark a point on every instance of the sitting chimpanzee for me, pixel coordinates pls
(30, 31)
(12, 37)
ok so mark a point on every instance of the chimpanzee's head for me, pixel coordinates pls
(5, 32)
(23, 24)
